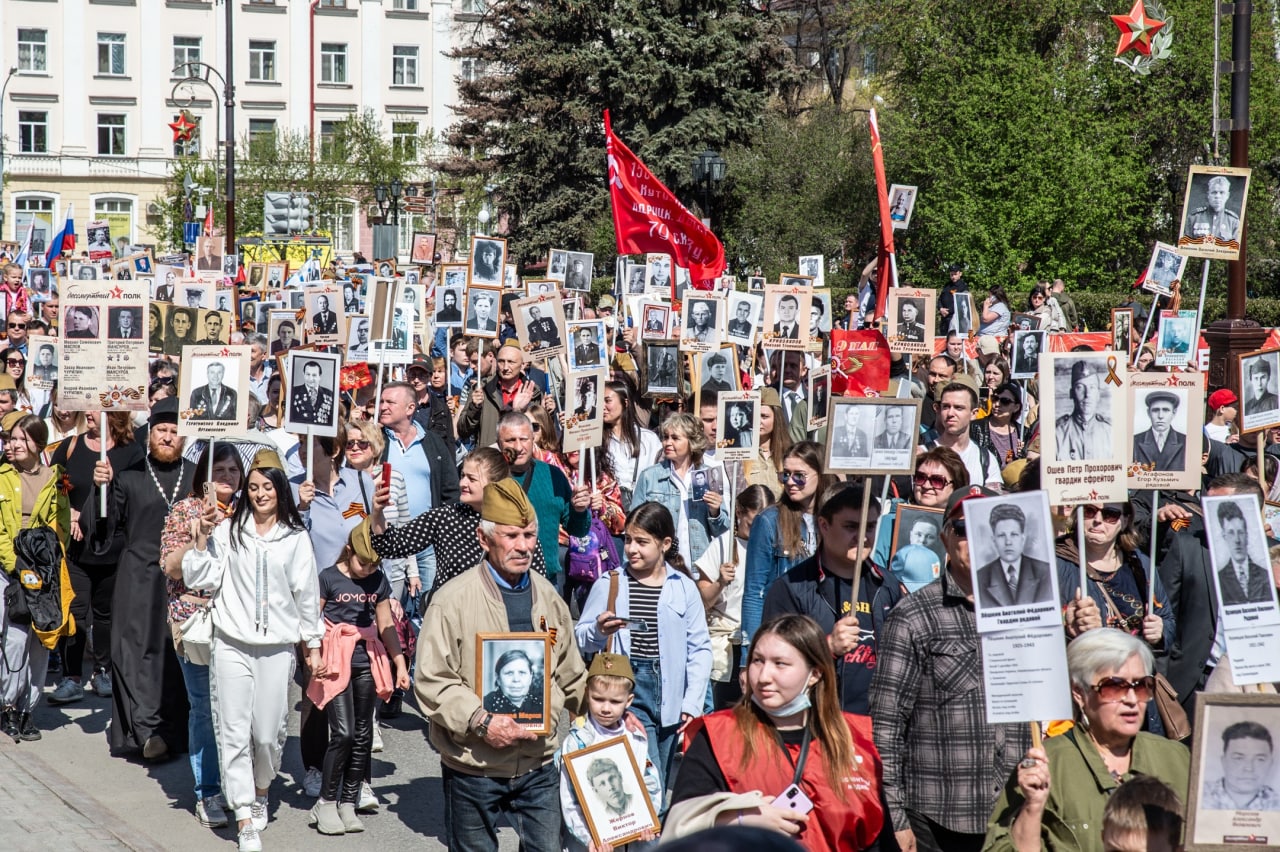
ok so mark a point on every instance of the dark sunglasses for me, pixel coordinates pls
(931, 480)
(1006, 400)
(18, 325)
(16, 362)
(1117, 688)
(1109, 514)
(795, 476)
(358, 445)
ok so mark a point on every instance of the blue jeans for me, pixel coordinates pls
(202, 745)
(531, 803)
(647, 707)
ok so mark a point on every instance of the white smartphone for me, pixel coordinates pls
(793, 799)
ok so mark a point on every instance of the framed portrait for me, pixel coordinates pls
(213, 391)
(558, 264)
(230, 265)
(454, 275)
(819, 397)
(962, 322)
(745, 311)
(264, 315)
(655, 322)
(296, 298)
(482, 311)
(488, 255)
(1015, 581)
(572, 308)
(920, 526)
(1175, 338)
(208, 254)
(358, 339)
(122, 270)
(1168, 423)
(702, 322)
(795, 281)
(222, 299)
(1019, 321)
(83, 270)
(410, 297)
(657, 274)
(718, 371)
(541, 287)
(40, 283)
(1122, 330)
(1086, 435)
(164, 286)
(902, 203)
(737, 425)
(311, 393)
(513, 677)
(911, 315)
(249, 312)
(412, 276)
(615, 802)
(1027, 346)
(449, 300)
(584, 409)
(587, 346)
(786, 312)
(510, 277)
(256, 276)
(1260, 384)
(195, 293)
(213, 327)
(423, 248)
(662, 369)
(325, 316)
(1232, 799)
(633, 275)
(581, 269)
(277, 273)
(143, 264)
(282, 330)
(1166, 266)
(385, 267)
(819, 320)
(872, 435)
(42, 362)
(1213, 212)
(755, 283)
(813, 268)
(540, 325)
(1238, 551)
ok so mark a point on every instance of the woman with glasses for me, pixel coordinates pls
(1041, 304)
(1056, 796)
(785, 534)
(939, 472)
(361, 453)
(1000, 431)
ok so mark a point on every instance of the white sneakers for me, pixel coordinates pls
(258, 813)
(249, 840)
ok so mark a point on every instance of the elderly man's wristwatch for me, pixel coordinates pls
(483, 728)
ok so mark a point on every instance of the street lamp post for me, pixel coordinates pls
(13, 70)
(708, 170)
(200, 72)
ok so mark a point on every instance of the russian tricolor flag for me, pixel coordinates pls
(64, 240)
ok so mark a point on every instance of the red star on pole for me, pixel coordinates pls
(1136, 29)
(184, 128)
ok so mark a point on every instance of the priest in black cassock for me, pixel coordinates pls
(149, 699)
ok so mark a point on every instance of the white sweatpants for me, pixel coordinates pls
(249, 694)
(25, 661)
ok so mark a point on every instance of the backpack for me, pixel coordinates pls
(39, 592)
(593, 555)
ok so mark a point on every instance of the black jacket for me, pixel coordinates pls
(434, 416)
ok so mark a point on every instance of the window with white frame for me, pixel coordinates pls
(262, 136)
(33, 132)
(404, 65)
(33, 50)
(333, 63)
(118, 212)
(111, 134)
(341, 222)
(471, 69)
(409, 223)
(189, 147)
(405, 5)
(404, 141)
(186, 49)
(262, 61)
(111, 54)
(331, 142)
(475, 7)
(28, 209)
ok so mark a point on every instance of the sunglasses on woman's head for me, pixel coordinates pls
(931, 480)
(1117, 688)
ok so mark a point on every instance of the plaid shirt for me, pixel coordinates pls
(928, 706)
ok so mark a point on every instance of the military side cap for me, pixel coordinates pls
(958, 379)
(613, 665)
(11, 419)
(7, 382)
(266, 459)
(769, 396)
(506, 503)
(361, 543)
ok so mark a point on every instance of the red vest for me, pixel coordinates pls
(834, 825)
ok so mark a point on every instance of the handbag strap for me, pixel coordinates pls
(612, 602)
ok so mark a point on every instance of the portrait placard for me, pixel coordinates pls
(358, 337)
(587, 346)
(611, 791)
(1011, 542)
(454, 275)
(213, 327)
(1122, 330)
(1019, 321)
(745, 311)
(410, 299)
(702, 321)
(786, 312)
(195, 293)
(541, 287)
(513, 677)
(255, 276)
(718, 371)
(325, 315)
(786, 280)
(540, 325)
(962, 322)
(1240, 562)
(655, 321)
(633, 278)
(819, 397)
(737, 425)
(921, 526)
(657, 275)
(911, 314)
(1232, 799)
(97, 372)
(1175, 337)
(584, 421)
(98, 239)
(311, 395)
(812, 267)
(755, 283)
(282, 329)
(448, 306)
(423, 248)
(1168, 423)
(1027, 346)
(1259, 390)
(581, 269)
(482, 311)
(42, 362)
(1213, 212)
(1166, 266)
(819, 320)
(488, 254)
(662, 369)
(277, 271)
(902, 203)
(875, 435)
(213, 391)
(1085, 442)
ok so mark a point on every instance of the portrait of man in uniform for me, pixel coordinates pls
(1085, 432)
(1213, 219)
(310, 404)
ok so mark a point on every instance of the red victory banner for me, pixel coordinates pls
(859, 362)
(647, 218)
(887, 268)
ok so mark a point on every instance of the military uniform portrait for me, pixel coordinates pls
(587, 345)
(1213, 212)
(313, 393)
(1175, 338)
(1166, 266)
(1084, 430)
(662, 370)
(1122, 330)
(654, 322)
(849, 436)
(1260, 381)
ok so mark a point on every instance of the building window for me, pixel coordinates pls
(405, 5)
(262, 61)
(38, 210)
(404, 141)
(190, 148)
(111, 54)
(262, 137)
(333, 63)
(410, 222)
(331, 141)
(118, 213)
(340, 221)
(186, 49)
(110, 134)
(33, 132)
(33, 50)
(475, 7)
(404, 66)
(334, 4)
(471, 69)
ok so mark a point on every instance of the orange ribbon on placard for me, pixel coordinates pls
(1112, 378)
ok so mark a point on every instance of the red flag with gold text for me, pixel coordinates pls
(859, 362)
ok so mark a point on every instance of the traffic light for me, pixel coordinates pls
(286, 213)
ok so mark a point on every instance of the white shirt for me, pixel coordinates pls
(972, 458)
(624, 463)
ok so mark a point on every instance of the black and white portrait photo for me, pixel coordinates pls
(482, 312)
(744, 317)
(611, 792)
(1235, 774)
(633, 274)
(795, 281)
(488, 254)
(1213, 212)
(786, 316)
(81, 322)
(755, 283)
(1238, 549)
(215, 398)
(557, 264)
(1122, 330)
(1019, 321)
(657, 274)
(662, 369)
(357, 338)
(1260, 380)
(1027, 346)
(581, 268)
(386, 267)
(920, 526)
(894, 425)
(1165, 267)
(654, 322)
(717, 371)
(454, 276)
(42, 365)
(902, 203)
(910, 328)
(849, 436)
(819, 396)
(448, 307)
(124, 323)
(209, 254)
(1011, 544)
(911, 320)
(98, 239)
(586, 397)
(512, 677)
(737, 424)
(587, 346)
(962, 320)
(700, 324)
(812, 267)
(325, 313)
(1083, 424)
(312, 401)
(1162, 444)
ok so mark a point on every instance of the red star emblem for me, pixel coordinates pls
(116, 293)
(1136, 29)
(184, 128)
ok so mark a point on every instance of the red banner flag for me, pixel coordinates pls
(648, 218)
(886, 269)
(859, 362)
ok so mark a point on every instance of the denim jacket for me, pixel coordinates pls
(657, 483)
(684, 644)
(766, 563)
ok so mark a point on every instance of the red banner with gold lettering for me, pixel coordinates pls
(859, 362)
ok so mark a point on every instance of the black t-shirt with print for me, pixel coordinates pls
(351, 601)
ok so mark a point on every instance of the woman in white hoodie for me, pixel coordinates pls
(262, 571)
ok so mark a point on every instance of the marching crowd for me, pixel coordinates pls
(766, 654)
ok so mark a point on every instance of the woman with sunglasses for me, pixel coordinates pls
(939, 472)
(1056, 796)
(15, 364)
(361, 452)
(1041, 304)
(1000, 431)
(785, 534)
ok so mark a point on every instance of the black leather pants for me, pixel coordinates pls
(350, 717)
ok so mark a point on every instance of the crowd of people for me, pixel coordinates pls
(747, 631)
